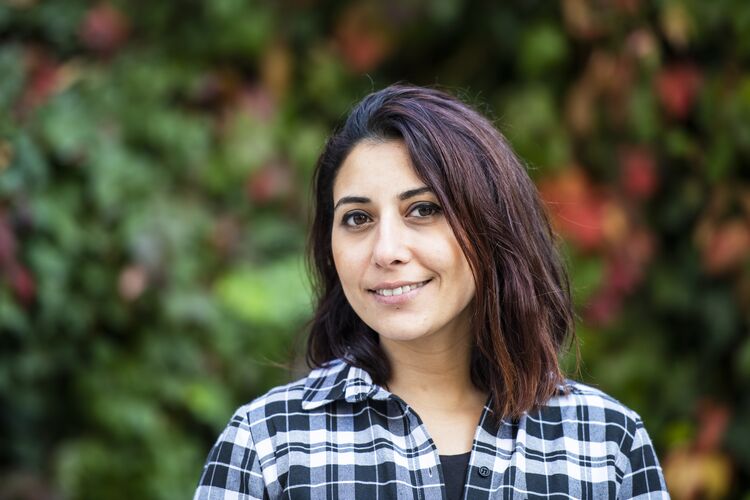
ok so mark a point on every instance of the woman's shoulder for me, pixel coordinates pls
(590, 411)
(584, 433)
(577, 395)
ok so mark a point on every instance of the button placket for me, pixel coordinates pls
(429, 474)
(416, 434)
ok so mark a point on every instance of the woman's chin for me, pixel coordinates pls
(403, 335)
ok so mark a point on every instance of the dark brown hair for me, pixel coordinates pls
(523, 309)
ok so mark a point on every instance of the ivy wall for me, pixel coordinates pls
(154, 196)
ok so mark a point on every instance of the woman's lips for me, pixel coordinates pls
(401, 298)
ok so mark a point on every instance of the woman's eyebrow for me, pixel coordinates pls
(362, 199)
(351, 199)
(414, 192)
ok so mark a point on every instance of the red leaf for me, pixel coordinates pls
(677, 87)
(42, 81)
(7, 243)
(638, 172)
(362, 37)
(725, 246)
(628, 6)
(603, 308)
(270, 183)
(627, 263)
(257, 101)
(104, 29)
(577, 208)
(714, 418)
(23, 284)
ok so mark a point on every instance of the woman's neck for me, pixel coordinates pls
(434, 374)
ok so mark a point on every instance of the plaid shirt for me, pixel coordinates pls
(335, 434)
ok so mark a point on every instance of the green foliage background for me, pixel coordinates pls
(154, 169)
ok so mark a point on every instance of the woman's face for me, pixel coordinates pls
(400, 265)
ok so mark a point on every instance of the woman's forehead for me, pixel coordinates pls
(376, 166)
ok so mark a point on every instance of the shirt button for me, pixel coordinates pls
(484, 471)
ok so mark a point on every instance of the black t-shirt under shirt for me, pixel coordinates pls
(454, 471)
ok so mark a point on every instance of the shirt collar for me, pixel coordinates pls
(339, 380)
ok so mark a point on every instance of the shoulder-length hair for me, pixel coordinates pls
(522, 310)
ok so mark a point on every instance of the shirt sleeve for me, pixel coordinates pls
(643, 477)
(232, 469)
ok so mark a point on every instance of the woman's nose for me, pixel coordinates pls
(390, 245)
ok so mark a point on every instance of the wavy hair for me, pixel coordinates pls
(523, 308)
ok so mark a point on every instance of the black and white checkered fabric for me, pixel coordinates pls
(335, 434)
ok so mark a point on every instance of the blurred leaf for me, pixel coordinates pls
(738, 435)
(720, 158)
(69, 126)
(249, 144)
(14, 320)
(275, 294)
(444, 11)
(324, 81)
(743, 360)
(543, 50)
(209, 402)
(643, 112)
(305, 145)
(669, 290)
(587, 275)
(194, 307)
(679, 143)
(28, 167)
(720, 317)
(535, 129)
(679, 433)
(11, 85)
(57, 21)
(87, 466)
(240, 28)
(125, 415)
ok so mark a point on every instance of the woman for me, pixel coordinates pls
(442, 305)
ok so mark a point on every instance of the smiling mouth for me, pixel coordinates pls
(388, 292)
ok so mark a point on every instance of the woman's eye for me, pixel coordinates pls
(425, 210)
(356, 219)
